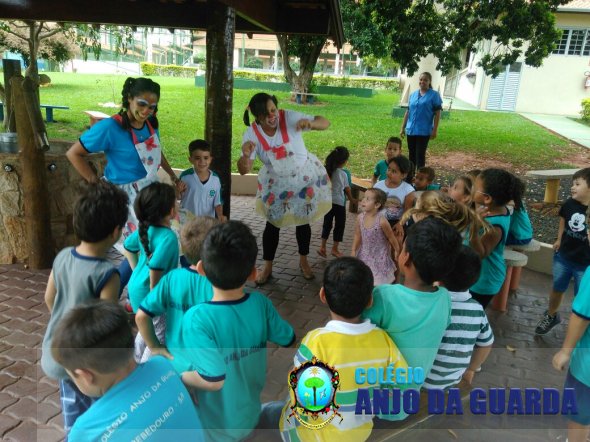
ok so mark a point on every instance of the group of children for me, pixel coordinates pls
(197, 366)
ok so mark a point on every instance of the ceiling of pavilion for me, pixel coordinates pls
(318, 17)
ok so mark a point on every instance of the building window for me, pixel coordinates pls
(573, 42)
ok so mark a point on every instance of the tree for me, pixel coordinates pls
(408, 30)
(314, 383)
(308, 50)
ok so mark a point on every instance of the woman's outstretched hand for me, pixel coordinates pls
(247, 148)
(303, 124)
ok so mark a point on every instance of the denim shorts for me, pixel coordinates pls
(582, 392)
(563, 271)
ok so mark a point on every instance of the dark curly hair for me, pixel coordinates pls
(336, 158)
(257, 106)
(502, 187)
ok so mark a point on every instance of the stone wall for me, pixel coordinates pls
(63, 183)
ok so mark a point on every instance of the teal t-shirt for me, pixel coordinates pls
(521, 229)
(227, 340)
(493, 267)
(164, 257)
(415, 321)
(580, 361)
(151, 404)
(381, 170)
(177, 292)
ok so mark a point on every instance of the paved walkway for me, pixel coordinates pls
(564, 126)
(29, 401)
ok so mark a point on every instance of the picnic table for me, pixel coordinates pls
(96, 116)
(552, 178)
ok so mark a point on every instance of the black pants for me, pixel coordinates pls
(417, 145)
(484, 300)
(337, 213)
(270, 240)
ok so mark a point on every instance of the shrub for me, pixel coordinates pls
(254, 62)
(585, 109)
(169, 70)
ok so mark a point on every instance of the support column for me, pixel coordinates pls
(219, 92)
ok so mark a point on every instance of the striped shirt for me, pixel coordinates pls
(469, 327)
(346, 347)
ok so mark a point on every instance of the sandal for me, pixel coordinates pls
(262, 278)
(337, 254)
(307, 274)
(322, 253)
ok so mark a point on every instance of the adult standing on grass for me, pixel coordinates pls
(421, 119)
(293, 186)
(131, 143)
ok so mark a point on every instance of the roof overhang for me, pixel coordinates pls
(306, 17)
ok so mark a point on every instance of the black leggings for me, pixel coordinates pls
(337, 213)
(417, 145)
(484, 300)
(270, 240)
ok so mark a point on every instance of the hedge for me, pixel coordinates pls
(585, 109)
(148, 69)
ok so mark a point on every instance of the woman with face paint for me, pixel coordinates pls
(131, 143)
(293, 185)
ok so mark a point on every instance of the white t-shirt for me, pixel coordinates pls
(394, 207)
(295, 138)
(339, 183)
(201, 199)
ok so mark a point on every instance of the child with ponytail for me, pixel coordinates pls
(152, 251)
(493, 190)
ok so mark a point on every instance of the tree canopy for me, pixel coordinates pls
(407, 30)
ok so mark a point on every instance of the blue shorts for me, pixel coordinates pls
(563, 271)
(582, 392)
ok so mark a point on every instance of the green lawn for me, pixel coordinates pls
(363, 125)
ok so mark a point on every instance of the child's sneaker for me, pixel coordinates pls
(547, 323)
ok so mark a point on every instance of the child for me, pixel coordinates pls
(202, 196)
(578, 375)
(415, 315)
(572, 254)
(468, 340)
(400, 195)
(176, 292)
(374, 238)
(494, 188)
(335, 162)
(82, 273)
(462, 190)
(520, 231)
(393, 148)
(424, 179)
(348, 343)
(152, 251)
(94, 344)
(225, 338)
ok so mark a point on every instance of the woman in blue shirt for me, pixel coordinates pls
(421, 119)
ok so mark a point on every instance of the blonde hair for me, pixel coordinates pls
(468, 188)
(441, 206)
(193, 234)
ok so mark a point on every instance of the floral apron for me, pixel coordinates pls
(291, 193)
(150, 154)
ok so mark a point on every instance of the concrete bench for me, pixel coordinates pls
(513, 259)
(358, 185)
(96, 116)
(49, 111)
(552, 178)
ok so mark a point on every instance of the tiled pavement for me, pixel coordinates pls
(29, 402)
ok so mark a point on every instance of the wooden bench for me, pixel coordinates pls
(96, 116)
(358, 185)
(552, 178)
(305, 97)
(48, 111)
(513, 259)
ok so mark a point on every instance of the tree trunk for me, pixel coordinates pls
(307, 61)
(34, 179)
(219, 92)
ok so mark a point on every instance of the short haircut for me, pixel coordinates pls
(433, 246)
(466, 271)
(404, 165)
(193, 234)
(198, 145)
(428, 171)
(348, 284)
(380, 196)
(229, 255)
(395, 140)
(583, 174)
(94, 336)
(99, 210)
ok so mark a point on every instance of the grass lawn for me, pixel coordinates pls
(363, 125)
